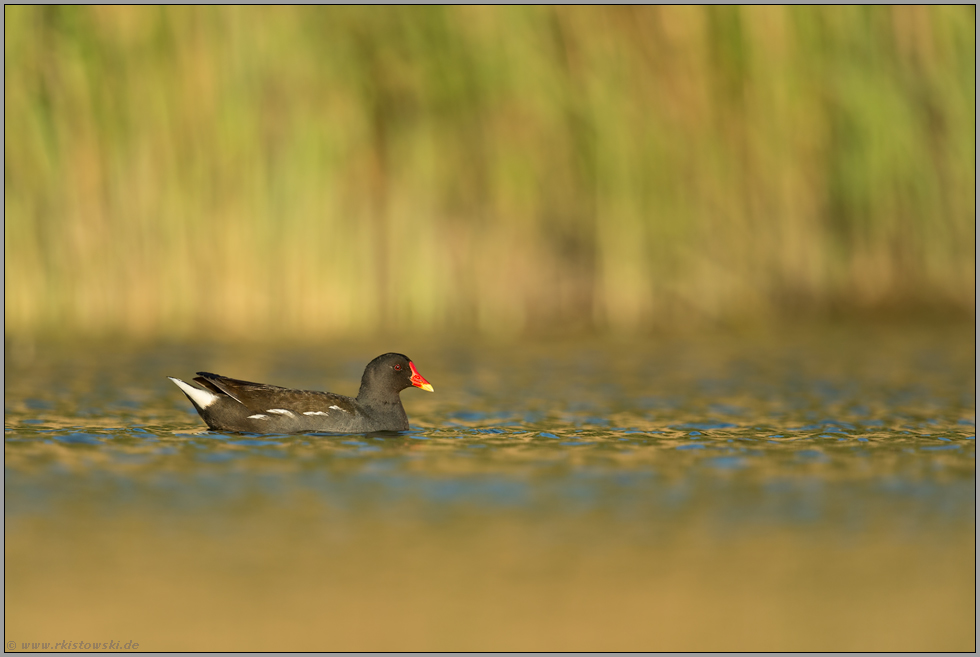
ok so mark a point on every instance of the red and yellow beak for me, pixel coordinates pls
(417, 379)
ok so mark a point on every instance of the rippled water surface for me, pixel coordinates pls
(806, 491)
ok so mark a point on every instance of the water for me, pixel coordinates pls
(784, 492)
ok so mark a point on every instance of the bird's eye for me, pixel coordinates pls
(398, 368)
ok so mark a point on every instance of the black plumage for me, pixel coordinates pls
(228, 404)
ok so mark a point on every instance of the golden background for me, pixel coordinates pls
(301, 172)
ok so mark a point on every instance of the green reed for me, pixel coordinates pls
(306, 171)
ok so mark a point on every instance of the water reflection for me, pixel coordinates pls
(707, 454)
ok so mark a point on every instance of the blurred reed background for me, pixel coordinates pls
(298, 172)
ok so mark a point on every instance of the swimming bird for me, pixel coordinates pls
(228, 404)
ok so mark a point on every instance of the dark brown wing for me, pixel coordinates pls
(262, 397)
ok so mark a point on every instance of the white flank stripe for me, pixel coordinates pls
(339, 408)
(202, 398)
(315, 413)
(258, 416)
(279, 411)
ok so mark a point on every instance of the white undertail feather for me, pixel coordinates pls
(202, 398)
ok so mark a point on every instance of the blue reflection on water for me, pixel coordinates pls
(642, 454)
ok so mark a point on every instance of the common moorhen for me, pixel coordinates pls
(235, 405)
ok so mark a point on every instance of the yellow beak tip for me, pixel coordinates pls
(427, 386)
